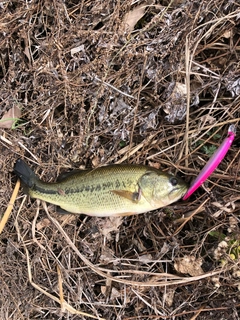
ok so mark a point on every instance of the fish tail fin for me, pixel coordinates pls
(25, 173)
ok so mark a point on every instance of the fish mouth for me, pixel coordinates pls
(180, 192)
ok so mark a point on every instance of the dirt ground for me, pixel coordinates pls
(88, 83)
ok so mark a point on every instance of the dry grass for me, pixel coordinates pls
(91, 92)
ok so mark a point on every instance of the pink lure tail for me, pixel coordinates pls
(213, 162)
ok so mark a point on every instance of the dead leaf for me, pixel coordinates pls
(207, 119)
(190, 265)
(220, 251)
(77, 49)
(155, 165)
(96, 161)
(168, 296)
(114, 292)
(233, 225)
(228, 34)
(215, 280)
(107, 255)
(132, 17)
(43, 224)
(109, 225)
(10, 117)
(175, 105)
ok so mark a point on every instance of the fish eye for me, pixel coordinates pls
(173, 181)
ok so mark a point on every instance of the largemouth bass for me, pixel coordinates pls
(114, 190)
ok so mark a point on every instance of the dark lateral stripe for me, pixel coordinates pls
(84, 188)
(60, 191)
(43, 190)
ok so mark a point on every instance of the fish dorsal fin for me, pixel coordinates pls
(132, 196)
(65, 175)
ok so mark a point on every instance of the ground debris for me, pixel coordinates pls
(79, 90)
(189, 265)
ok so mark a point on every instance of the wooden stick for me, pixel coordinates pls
(10, 206)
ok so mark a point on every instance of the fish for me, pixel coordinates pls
(113, 190)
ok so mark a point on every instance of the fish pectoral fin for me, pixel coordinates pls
(132, 196)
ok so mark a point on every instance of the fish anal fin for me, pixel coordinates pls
(124, 214)
(132, 196)
(60, 210)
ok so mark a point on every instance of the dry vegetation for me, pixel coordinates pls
(81, 88)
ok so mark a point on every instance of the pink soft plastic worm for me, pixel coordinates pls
(213, 162)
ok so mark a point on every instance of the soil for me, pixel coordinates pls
(89, 83)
